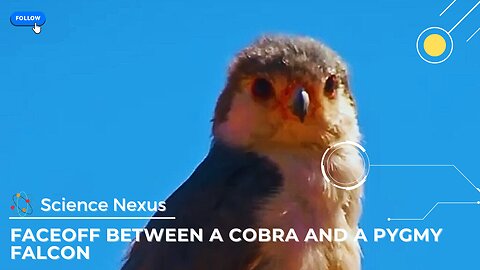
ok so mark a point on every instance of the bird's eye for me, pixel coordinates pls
(262, 89)
(330, 87)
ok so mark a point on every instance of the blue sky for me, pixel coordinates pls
(89, 109)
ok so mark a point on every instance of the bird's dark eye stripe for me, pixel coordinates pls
(262, 89)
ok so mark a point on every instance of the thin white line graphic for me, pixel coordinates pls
(473, 35)
(411, 165)
(430, 211)
(461, 20)
(438, 203)
(89, 218)
(428, 165)
(448, 7)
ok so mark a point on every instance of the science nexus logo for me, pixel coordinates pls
(21, 203)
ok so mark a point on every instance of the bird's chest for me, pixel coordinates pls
(306, 202)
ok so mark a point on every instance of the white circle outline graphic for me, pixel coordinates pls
(366, 161)
(442, 30)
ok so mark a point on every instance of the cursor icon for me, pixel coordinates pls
(37, 29)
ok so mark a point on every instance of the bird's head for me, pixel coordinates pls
(286, 92)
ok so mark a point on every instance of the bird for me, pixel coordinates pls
(287, 100)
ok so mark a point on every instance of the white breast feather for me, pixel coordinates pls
(308, 201)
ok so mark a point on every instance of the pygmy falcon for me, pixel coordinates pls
(286, 101)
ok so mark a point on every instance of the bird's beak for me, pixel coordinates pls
(300, 103)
